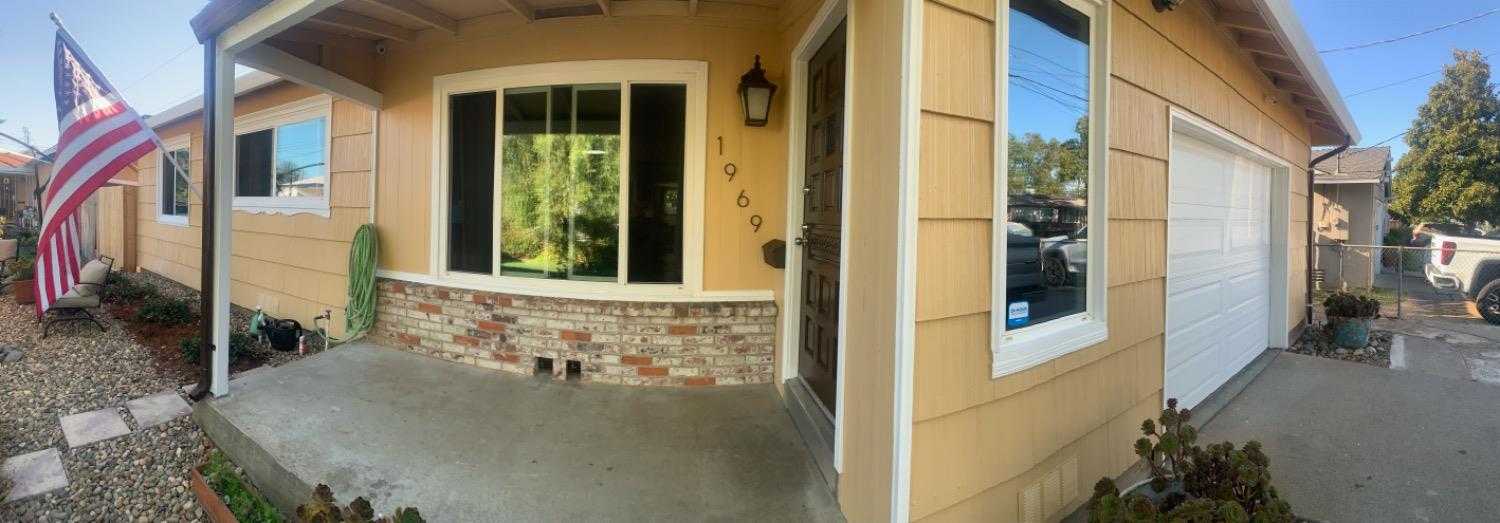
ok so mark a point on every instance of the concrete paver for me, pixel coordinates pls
(158, 408)
(89, 427)
(32, 474)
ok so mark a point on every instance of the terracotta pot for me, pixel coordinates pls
(212, 506)
(25, 291)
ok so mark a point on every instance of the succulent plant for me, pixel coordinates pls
(1349, 305)
(1217, 484)
(323, 508)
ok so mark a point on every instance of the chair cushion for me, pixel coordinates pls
(74, 300)
(93, 272)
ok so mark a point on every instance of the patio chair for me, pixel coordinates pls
(9, 250)
(87, 294)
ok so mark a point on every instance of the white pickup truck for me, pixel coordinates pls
(1471, 266)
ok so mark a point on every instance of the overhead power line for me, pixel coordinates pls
(1402, 81)
(1413, 35)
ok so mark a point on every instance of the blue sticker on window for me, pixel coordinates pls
(1018, 314)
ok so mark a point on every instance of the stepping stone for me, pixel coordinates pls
(89, 427)
(35, 473)
(158, 408)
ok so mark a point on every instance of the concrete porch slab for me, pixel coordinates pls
(31, 474)
(93, 426)
(466, 444)
(158, 408)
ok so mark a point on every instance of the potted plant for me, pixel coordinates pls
(225, 495)
(1350, 317)
(1190, 483)
(23, 269)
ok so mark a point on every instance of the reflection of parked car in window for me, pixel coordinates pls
(1470, 266)
(1023, 265)
(1065, 258)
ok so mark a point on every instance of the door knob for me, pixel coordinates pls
(798, 240)
(806, 189)
(806, 227)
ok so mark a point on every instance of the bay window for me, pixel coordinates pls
(1049, 273)
(563, 177)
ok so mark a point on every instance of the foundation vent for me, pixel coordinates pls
(1043, 500)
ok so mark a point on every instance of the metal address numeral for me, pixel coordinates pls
(755, 220)
(731, 169)
(742, 201)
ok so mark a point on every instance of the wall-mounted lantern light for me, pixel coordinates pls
(1167, 5)
(755, 95)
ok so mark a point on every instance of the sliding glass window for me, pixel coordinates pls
(590, 182)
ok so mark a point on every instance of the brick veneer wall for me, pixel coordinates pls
(623, 342)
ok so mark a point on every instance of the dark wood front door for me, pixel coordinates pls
(822, 227)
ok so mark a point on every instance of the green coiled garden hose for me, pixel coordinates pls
(359, 313)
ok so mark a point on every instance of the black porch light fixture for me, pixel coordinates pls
(755, 95)
(1167, 5)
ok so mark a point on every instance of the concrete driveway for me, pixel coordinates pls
(1466, 349)
(1352, 442)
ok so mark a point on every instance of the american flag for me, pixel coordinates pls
(99, 135)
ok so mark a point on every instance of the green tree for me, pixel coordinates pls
(1452, 172)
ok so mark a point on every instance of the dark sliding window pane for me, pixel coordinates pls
(252, 167)
(657, 129)
(471, 178)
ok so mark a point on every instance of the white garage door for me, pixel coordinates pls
(1218, 267)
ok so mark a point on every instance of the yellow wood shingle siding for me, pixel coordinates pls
(294, 266)
(978, 442)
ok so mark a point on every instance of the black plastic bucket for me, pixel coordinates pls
(284, 334)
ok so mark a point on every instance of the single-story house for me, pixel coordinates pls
(606, 186)
(1352, 195)
(18, 175)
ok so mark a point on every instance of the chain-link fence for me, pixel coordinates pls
(1444, 280)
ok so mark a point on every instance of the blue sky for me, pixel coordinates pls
(127, 39)
(130, 39)
(1386, 112)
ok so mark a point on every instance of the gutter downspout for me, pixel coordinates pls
(1311, 241)
(206, 284)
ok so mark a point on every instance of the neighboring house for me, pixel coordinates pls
(1350, 207)
(18, 174)
(574, 185)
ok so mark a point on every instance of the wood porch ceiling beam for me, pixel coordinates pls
(604, 5)
(521, 7)
(1278, 66)
(418, 12)
(313, 36)
(363, 24)
(278, 62)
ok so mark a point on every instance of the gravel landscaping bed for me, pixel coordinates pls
(1314, 342)
(79, 369)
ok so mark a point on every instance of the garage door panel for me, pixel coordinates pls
(1218, 267)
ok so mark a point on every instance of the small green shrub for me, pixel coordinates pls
(1349, 305)
(124, 290)
(24, 268)
(243, 501)
(239, 345)
(324, 509)
(167, 310)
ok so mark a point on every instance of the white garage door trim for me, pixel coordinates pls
(1278, 282)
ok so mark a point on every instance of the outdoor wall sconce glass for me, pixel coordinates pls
(1167, 5)
(755, 95)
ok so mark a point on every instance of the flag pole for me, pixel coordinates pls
(83, 55)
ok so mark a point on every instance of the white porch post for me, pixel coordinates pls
(223, 210)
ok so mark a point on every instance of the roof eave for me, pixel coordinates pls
(1288, 28)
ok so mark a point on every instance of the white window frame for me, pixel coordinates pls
(692, 74)
(320, 106)
(163, 171)
(1020, 349)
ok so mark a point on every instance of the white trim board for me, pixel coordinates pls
(824, 23)
(907, 209)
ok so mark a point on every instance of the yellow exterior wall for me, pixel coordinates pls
(293, 266)
(978, 442)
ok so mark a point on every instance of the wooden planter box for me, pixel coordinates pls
(25, 291)
(212, 506)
